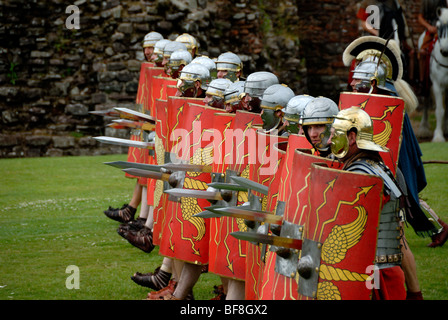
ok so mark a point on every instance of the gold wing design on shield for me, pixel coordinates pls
(160, 159)
(342, 238)
(190, 206)
(334, 250)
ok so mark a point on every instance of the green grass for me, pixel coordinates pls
(51, 217)
(432, 263)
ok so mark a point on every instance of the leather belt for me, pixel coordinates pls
(390, 258)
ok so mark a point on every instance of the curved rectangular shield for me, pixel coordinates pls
(387, 114)
(339, 245)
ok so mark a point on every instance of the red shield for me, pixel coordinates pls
(287, 183)
(243, 136)
(159, 87)
(166, 109)
(145, 97)
(230, 253)
(186, 237)
(145, 87)
(286, 287)
(267, 274)
(387, 113)
(171, 88)
(133, 153)
(294, 191)
(340, 235)
(223, 124)
(160, 198)
(143, 92)
(222, 263)
(238, 140)
(265, 166)
(263, 169)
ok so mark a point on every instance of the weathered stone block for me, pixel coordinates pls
(53, 152)
(38, 141)
(125, 28)
(7, 140)
(63, 142)
(77, 109)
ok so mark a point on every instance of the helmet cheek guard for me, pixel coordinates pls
(339, 144)
(270, 120)
(360, 120)
(184, 85)
(325, 136)
(292, 127)
(231, 75)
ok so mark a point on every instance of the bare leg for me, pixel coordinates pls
(177, 267)
(410, 270)
(188, 278)
(167, 266)
(441, 237)
(144, 203)
(225, 284)
(136, 196)
(236, 290)
(150, 218)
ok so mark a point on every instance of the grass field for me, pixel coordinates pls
(51, 218)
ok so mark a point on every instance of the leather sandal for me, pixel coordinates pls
(170, 297)
(158, 295)
(439, 239)
(133, 225)
(141, 239)
(157, 280)
(124, 214)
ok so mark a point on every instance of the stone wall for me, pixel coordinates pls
(51, 77)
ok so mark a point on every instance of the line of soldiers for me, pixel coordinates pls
(283, 196)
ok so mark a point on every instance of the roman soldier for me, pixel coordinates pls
(149, 41)
(254, 87)
(214, 96)
(352, 142)
(316, 120)
(292, 113)
(229, 66)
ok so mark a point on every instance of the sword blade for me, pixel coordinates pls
(126, 165)
(128, 123)
(268, 239)
(105, 113)
(227, 186)
(249, 184)
(134, 115)
(207, 214)
(124, 123)
(199, 194)
(148, 174)
(125, 142)
(248, 214)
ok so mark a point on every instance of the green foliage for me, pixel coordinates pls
(77, 134)
(12, 75)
